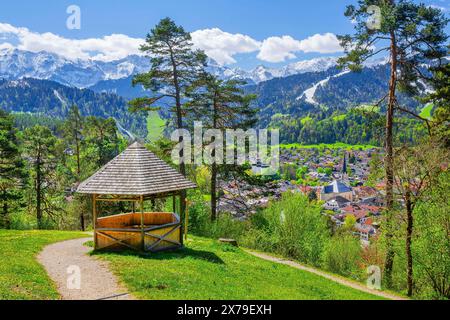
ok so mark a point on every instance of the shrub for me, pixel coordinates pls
(296, 228)
(22, 221)
(342, 255)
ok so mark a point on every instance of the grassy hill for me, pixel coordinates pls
(21, 276)
(206, 269)
(155, 126)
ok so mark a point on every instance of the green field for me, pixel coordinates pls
(426, 111)
(206, 269)
(21, 276)
(155, 126)
(337, 145)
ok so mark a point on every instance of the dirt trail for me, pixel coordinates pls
(345, 282)
(62, 260)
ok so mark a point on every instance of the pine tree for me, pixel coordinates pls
(40, 148)
(412, 34)
(73, 127)
(221, 105)
(101, 136)
(175, 65)
(12, 171)
(440, 98)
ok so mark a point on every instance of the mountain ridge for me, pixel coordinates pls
(16, 64)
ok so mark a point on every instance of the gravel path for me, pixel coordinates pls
(62, 260)
(345, 282)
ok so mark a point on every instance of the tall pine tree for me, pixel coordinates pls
(412, 34)
(73, 128)
(12, 171)
(175, 65)
(221, 105)
(40, 148)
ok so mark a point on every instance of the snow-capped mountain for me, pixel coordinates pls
(262, 73)
(17, 64)
(312, 65)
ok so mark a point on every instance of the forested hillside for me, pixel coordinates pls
(54, 100)
(330, 106)
(327, 92)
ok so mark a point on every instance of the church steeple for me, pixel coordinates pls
(344, 165)
(344, 168)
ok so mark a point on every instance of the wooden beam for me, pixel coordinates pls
(115, 240)
(117, 199)
(174, 203)
(142, 224)
(181, 219)
(162, 238)
(186, 223)
(129, 198)
(94, 218)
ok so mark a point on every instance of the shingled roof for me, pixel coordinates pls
(135, 172)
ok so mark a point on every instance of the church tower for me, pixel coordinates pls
(344, 169)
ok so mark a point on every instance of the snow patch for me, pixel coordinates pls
(309, 93)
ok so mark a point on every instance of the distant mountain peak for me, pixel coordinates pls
(17, 64)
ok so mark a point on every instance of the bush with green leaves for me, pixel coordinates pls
(296, 228)
(342, 255)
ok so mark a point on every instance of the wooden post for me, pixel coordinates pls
(94, 218)
(186, 224)
(174, 198)
(142, 224)
(181, 221)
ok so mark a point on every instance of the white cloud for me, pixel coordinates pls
(279, 49)
(217, 44)
(107, 48)
(321, 43)
(222, 46)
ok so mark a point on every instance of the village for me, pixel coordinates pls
(335, 177)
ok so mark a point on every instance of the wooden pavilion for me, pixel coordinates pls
(136, 175)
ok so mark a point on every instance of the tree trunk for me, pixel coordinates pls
(214, 167)
(38, 194)
(78, 160)
(409, 231)
(389, 162)
(77, 146)
(213, 191)
(5, 220)
(182, 166)
(82, 221)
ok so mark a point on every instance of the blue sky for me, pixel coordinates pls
(255, 21)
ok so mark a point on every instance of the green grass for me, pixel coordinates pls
(426, 111)
(21, 276)
(206, 269)
(155, 126)
(337, 145)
